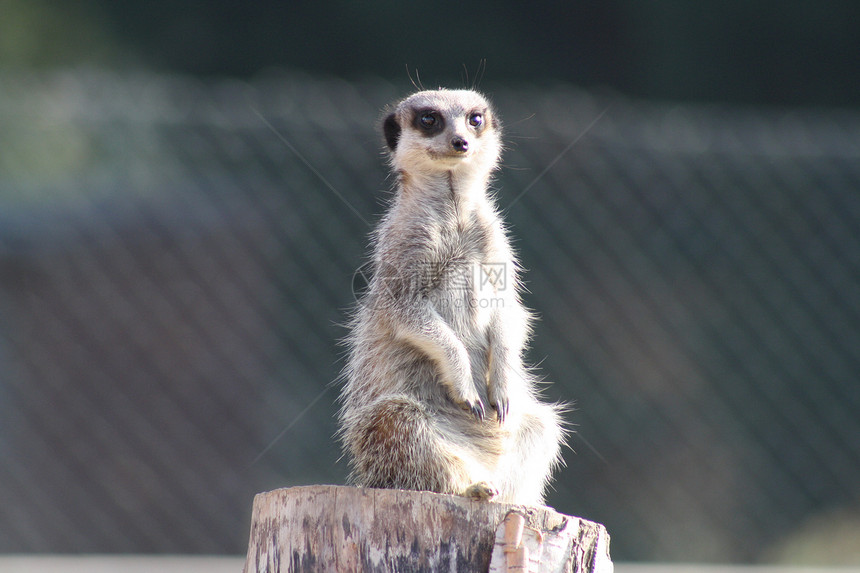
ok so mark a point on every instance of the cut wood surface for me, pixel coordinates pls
(338, 528)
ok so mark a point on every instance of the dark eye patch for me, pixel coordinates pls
(478, 119)
(428, 121)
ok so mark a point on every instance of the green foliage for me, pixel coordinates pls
(790, 52)
(41, 33)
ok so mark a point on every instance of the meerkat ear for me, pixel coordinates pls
(391, 129)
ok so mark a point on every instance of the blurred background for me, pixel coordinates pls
(186, 192)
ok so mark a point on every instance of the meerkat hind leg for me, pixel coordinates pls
(398, 445)
(481, 491)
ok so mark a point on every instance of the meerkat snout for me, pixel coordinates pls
(460, 144)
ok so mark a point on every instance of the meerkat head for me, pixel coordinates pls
(443, 131)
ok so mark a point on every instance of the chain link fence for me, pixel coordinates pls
(177, 257)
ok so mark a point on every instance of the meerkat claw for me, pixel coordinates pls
(478, 410)
(501, 412)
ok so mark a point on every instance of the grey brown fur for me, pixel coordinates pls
(436, 396)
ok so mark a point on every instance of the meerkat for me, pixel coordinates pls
(436, 395)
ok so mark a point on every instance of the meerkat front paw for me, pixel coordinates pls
(501, 406)
(461, 388)
(476, 406)
(478, 410)
(466, 395)
(481, 491)
(497, 395)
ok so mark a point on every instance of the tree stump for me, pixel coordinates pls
(337, 528)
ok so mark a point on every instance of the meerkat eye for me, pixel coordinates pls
(427, 120)
(476, 119)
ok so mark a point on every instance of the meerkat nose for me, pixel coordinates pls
(460, 144)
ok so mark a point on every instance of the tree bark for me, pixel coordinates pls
(337, 528)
